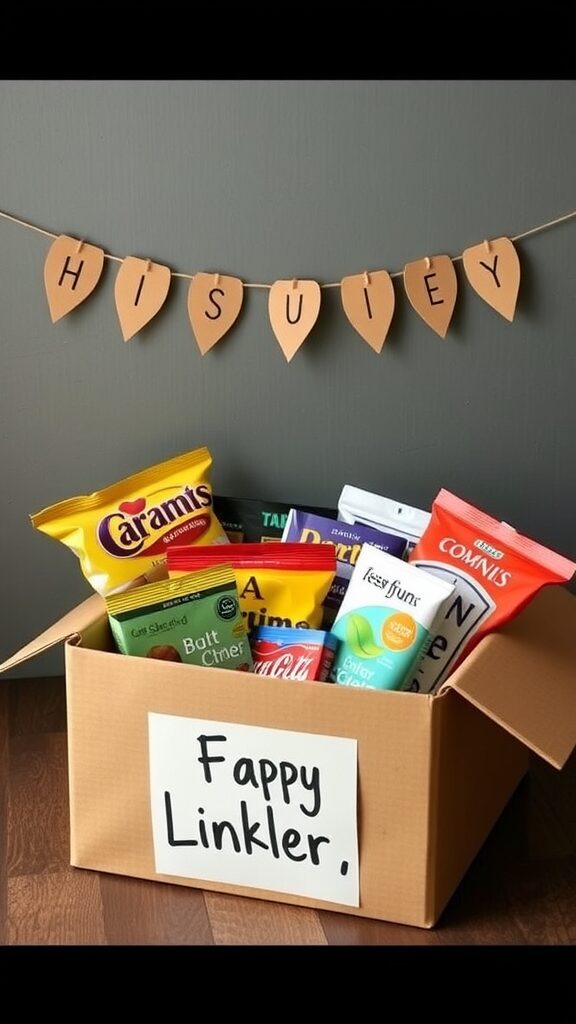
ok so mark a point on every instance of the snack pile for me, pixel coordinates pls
(374, 594)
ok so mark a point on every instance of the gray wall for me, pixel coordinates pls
(267, 180)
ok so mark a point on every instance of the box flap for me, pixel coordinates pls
(524, 676)
(69, 625)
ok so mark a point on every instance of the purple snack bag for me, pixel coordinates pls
(348, 538)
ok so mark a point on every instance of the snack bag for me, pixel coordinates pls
(194, 619)
(253, 521)
(495, 572)
(278, 584)
(282, 653)
(121, 532)
(358, 506)
(384, 621)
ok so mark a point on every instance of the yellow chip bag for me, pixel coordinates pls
(279, 584)
(121, 532)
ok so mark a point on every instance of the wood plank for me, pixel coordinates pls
(59, 909)
(4, 767)
(39, 829)
(559, 789)
(153, 913)
(346, 930)
(486, 908)
(37, 705)
(240, 921)
(542, 901)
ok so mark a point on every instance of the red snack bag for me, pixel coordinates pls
(495, 571)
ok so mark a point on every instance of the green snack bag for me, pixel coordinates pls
(194, 618)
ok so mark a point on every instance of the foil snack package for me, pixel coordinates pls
(385, 621)
(122, 532)
(278, 584)
(253, 521)
(282, 653)
(495, 572)
(358, 506)
(195, 619)
(347, 538)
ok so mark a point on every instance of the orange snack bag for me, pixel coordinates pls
(495, 571)
(278, 584)
(121, 532)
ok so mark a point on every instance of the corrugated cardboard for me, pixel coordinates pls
(434, 772)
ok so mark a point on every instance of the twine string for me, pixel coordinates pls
(254, 284)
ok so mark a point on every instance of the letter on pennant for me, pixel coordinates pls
(493, 270)
(214, 302)
(140, 291)
(368, 300)
(431, 287)
(72, 270)
(293, 308)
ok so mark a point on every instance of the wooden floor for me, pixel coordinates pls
(521, 889)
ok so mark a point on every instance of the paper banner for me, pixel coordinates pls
(72, 270)
(493, 270)
(431, 287)
(140, 290)
(368, 301)
(214, 302)
(293, 308)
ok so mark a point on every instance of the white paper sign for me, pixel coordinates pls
(258, 807)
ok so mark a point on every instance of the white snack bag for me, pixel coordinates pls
(385, 621)
(358, 506)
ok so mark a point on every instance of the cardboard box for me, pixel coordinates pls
(434, 772)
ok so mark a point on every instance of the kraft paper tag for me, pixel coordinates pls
(431, 287)
(368, 301)
(493, 270)
(293, 308)
(140, 290)
(72, 270)
(214, 302)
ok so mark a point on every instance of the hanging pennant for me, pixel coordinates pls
(431, 287)
(72, 270)
(140, 290)
(493, 269)
(293, 308)
(214, 302)
(368, 301)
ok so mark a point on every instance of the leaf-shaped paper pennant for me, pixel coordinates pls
(214, 302)
(493, 269)
(431, 287)
(72, 270)
(293, 308)
(368, 300)
(360, 639)
(140, 290)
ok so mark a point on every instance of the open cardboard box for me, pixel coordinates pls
(434, 772)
